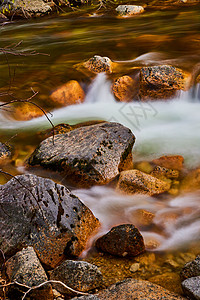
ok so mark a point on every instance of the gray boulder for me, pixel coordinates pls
(40, 213)
(25, 267)
(191, 287)
(191, 269)
(87, 155)
(79, 275)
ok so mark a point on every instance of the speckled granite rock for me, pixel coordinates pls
(191, 287)
(129, 10)
(191, 269)
(4, 152)
(137, 182)
(87, 155)
(38, 212)
(122, 240)
(25, 267)
(130, 289)
(161, 82)
(79, 275)
(98, 64)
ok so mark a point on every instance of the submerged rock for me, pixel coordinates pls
(191, 181)
(79, 275)
(87, 155)
(25, 8)
(129, 10)
(27, 111)
(5, 153)
(130, 289)
(191, 269)
(25, 267)
(174, 162)
(98, 64)
(124, 88)
(137, 182)
(40, 213)
(68, 94)
(162, 82)
(122, 240)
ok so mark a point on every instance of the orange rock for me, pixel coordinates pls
(68, 94)
(27, 111)
(124, 88)
(141, 217)
(170, 162)
(191, 181)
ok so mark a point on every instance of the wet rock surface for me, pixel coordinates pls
(122, 240)
(191, 181)
(98, 64)
(174, 162)
(79, 275)
(124, 88)
(38, 212)
(191, 287)
(25, 267)
(134, 289)
(68, 94)
(191, 269)
(129, 10)
(137, 182)
(161, 82)
(5, 152)
(87, 155)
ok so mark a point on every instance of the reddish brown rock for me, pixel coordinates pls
(137, 182)
(124, 88)
(130, 289)
(122, 240)
(68, 94)
(25, 268)
(40, 213)
(174, 162)
(162, 82)
(98, 64)
(87, 155)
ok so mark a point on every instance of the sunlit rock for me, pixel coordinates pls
(137, 182)
(162, 173)
(124, 88)
(129, 10)
(79, 275)
(162, 82)
(27, 111)
(68, 94)
(25, 268)
(38, 212)
(88, 155)
(123, 240)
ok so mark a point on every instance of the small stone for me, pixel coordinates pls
(161, 172)
(68, 94)
(129, 10)
(137, 182)
(25, 267)
(134, 267)
(79, 275)
(174, 162)
(141, 217)
(122, 239)
(124, 88)
(5, 153)
(99, 64)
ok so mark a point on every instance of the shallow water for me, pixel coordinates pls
(172, 127)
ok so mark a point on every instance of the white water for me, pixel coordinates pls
(171, 127)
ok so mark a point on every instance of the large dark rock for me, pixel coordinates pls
(130, 289)
(191, 287)
(79, 275)
(25, 267)
(122, 240)
(191, 269)
(38, 212)
(88, 155)
(161, 82)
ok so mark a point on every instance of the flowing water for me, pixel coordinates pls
(170, 127)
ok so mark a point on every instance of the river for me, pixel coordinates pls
(161, 128)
